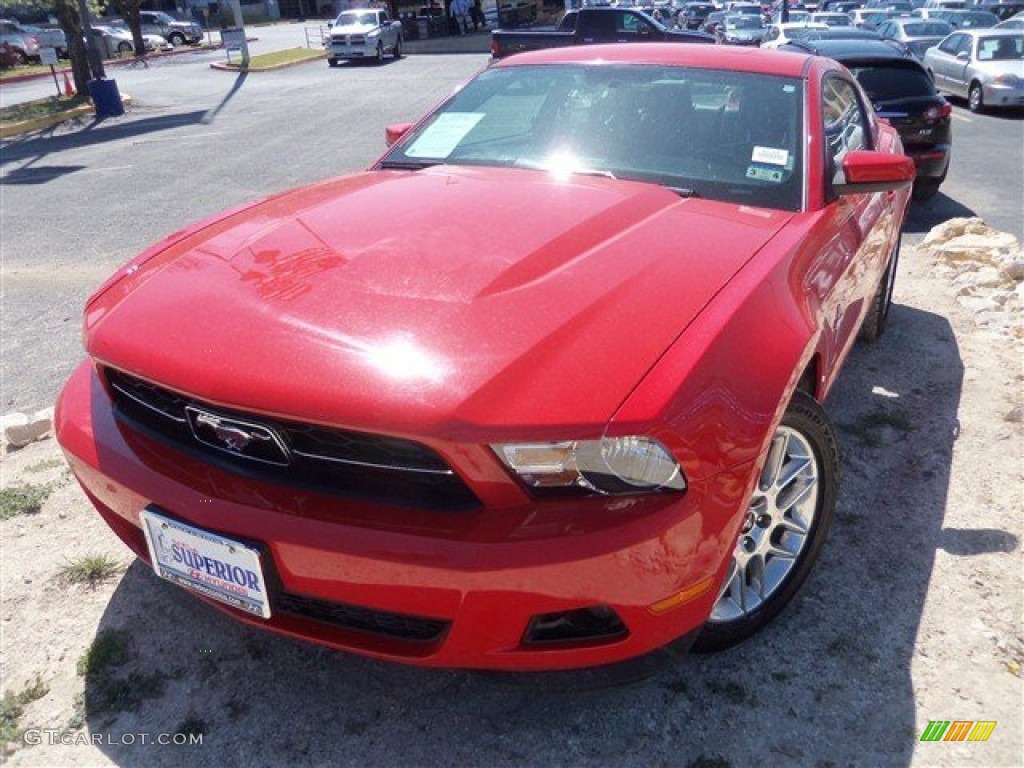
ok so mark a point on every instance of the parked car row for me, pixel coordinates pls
(22, 42)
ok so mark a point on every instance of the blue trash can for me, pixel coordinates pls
(106, 98)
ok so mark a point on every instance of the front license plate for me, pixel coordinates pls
(207, 563)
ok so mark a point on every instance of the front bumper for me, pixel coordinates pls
(367, 49)
(485, 576)
(998, 95)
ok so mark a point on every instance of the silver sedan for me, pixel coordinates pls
(985, 66)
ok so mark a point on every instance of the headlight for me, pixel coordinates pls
(611, 465)
(1008, 80)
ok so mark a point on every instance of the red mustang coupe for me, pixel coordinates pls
(538, 390)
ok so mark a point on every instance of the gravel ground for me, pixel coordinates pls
(913, 614)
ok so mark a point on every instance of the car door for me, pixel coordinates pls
(864, 225)
(942, 60)
(150, 24)
(960, 63)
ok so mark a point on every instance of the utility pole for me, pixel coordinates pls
(236, 6)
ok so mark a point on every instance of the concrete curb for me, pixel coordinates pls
(283, 65)
(38, 123)
(204, 48)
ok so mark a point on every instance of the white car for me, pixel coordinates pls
(780, 34)
(367, 33)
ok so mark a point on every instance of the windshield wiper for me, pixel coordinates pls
(406, 165)
(683, 191)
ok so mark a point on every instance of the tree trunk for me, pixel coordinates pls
(130, 12)
(67, 16)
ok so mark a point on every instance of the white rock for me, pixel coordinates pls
(20, 429)
(1013, 270)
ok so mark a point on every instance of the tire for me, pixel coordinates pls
(397, 54)
(975, 98)
(125, 49)
(877, 318)
(332, 62)
(176, 39)
(801, 471)
(925, 189)
(378, 57)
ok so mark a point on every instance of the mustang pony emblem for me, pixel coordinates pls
(239, 438)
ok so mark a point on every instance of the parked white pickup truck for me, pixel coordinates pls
(368, 33)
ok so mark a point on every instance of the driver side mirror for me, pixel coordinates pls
(396, 131)
(963, 56)
(866, 171)
(330, 24)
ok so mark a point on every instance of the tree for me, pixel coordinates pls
(129, 10)
(66, 13)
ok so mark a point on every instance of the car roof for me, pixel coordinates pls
(847, 49)
(729, 57)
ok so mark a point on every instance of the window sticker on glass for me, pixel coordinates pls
(764, 174)
(442, 137)
(770, 155)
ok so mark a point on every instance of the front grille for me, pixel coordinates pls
(336, 461)
(396, 625)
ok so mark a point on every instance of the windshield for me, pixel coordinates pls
(887, 84)
(722, 135)
(351, 18)
(743, 22)
(164, 18)
(927, 29)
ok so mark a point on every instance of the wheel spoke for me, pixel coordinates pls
(793, 524)
(773, 464)
(792, 469)
(797, 494)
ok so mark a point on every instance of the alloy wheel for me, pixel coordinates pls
(776, 527)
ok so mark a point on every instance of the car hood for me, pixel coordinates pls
(444, 301)
(353, 29)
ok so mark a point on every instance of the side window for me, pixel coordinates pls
(630, 23)
(845, 125)
(951, 44)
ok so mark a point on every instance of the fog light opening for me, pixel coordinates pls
(595, 623)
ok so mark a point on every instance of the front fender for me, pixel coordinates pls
(722, 387)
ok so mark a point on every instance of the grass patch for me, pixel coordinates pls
(109, 649)
(91, 570)
(45, 464)
(29, 69)
(23, 499)
(105, 692)
(30, 110)
(289, 56)
(12, 707)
